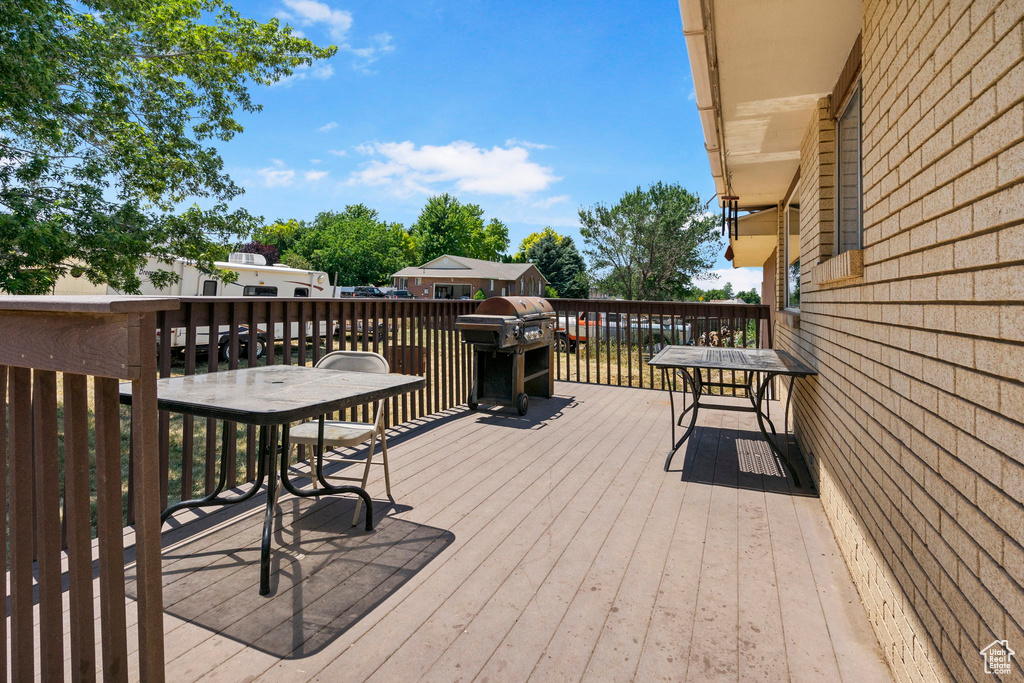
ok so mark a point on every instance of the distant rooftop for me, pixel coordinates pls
(465, 267)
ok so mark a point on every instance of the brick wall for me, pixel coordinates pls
(915, 427)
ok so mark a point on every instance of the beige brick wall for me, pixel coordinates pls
(915, 426)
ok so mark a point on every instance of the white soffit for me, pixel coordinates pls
(759, 236)
(775, 59)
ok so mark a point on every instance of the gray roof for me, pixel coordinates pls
(463, 267)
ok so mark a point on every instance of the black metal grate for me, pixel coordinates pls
(726, 356)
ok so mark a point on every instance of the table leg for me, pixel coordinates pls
(695, 406)
(327, 488)
(761, 390)
(268, 516)
(215, 498)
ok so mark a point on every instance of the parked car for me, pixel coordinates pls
(369, 292)
(401, 294)
(621, 327)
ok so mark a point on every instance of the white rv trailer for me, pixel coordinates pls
(255, 278)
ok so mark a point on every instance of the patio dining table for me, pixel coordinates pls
(271, 398)
(758, 366)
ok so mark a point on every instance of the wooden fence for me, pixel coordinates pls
(48, 494)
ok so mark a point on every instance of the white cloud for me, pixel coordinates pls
(321, 71)
(338, 23)
(337, 152)
(548, 202)
(459, 165)
(276, 175)
(318, 71)
(380, 44)
(742, 279)
(328, 126)
(514, 142)
(316, 161)
(309, 12)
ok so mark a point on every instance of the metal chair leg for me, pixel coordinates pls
(384, 459)
(366, 476)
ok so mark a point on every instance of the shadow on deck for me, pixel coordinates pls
(549, 547)
(325, 574)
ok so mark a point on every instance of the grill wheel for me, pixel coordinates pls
(522, 403)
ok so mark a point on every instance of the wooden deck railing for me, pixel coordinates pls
(56, 432)
(610, 342)
(417, 337)
(46, 342)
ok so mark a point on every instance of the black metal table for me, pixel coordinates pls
(688, 361)
(271, 398)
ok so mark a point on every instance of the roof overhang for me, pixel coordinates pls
(759, 69)
(759, 236)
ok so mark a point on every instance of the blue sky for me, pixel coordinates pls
(529, 109)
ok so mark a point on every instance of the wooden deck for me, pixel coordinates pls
(548, 548)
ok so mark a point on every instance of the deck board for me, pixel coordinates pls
(550, 547)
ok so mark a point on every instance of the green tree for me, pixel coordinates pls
(751, 297)
(650, 244)
(479, 295)
(108, 112)
(494, 242)
(283, 234)
(559, 261)
(355, 245)
(447, 226)
(529, 240)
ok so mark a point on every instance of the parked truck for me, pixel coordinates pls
(623, 328)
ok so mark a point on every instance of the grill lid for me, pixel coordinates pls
(519, 306)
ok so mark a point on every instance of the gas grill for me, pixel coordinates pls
(512, 339)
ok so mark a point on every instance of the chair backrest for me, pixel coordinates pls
(354, 361)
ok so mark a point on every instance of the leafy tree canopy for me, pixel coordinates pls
(723, 293)
(650, 244)
(267, 251)
(530, 240)
(447, 226)
(355, 245)
(751, 296)
(109, 110)
(557, 258)
(283, 234)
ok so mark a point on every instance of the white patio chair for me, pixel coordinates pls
(337, 433)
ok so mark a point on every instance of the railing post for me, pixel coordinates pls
(146, 466)
(110, 339)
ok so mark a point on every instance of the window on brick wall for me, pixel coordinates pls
(849, 207)
(792, 255)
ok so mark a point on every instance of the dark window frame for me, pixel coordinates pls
(853, 106)
(259, 290)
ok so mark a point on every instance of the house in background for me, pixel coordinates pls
(454, 277)
(877, 151)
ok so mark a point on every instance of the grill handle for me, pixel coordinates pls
(487, 327)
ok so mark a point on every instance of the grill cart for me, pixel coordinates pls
(513, 350)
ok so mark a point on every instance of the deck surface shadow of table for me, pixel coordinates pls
(325, 574)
